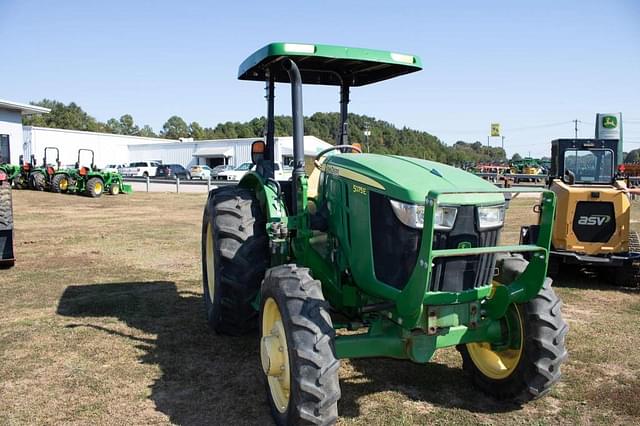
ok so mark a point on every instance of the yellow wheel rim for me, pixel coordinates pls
(115, 189)
(499, 365)
(64, 184)
(274, 355)
(211, 263)
(97, 188)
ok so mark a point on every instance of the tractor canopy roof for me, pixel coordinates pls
(328, 65)
(410, 179)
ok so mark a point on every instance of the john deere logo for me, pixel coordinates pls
(609, 122)
(464, 245)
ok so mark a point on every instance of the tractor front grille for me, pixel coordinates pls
(466, 272)
(396, 246)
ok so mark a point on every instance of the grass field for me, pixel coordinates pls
(102, 323)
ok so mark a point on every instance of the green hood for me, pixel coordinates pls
(410, 179)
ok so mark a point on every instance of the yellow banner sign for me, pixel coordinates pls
(495, 129)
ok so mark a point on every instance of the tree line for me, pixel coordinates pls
(384, 138)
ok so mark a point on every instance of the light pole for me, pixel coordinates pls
(367, 133)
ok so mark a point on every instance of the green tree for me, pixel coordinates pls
(62, 116)
(127, 126)
(196, 131)
(113, 126)
(633, 156)
(516, 157)
(175, 128)
(147, 132)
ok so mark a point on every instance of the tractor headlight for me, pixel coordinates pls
(445, 218)
(490, 217)
(412, 215)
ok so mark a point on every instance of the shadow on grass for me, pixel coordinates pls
(589, 278)
(205, 378)
(436, 385)
(215, 379)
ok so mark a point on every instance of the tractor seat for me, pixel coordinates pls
(313, 182)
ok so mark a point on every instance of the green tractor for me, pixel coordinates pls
(18, 175)
(90, 180)
(401, 253)
(7, 259)
(42, 178)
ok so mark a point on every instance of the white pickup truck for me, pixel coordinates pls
(281, 173)
(141, 169)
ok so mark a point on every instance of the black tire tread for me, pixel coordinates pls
(629, 276)
(241, 247)
(314, 367)
(6, 210)
(55, 183)
(38, 181)
(91, 187)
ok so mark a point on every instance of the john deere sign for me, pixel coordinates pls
(609, 126)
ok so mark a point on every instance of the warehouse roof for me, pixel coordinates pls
(24, 109)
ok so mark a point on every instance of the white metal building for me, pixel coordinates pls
(16, 141)
(220, 151)
(11, 140)
(108, 148)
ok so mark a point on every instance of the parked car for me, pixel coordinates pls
(114, 168)
(141, 169)
(237, 173)
(172, 171)
(200, 171)
(215, 172)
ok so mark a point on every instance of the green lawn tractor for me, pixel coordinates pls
(372, 256)
(90, 180)
(41, 178)
(7, 259)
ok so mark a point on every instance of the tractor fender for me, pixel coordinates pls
(271, 203)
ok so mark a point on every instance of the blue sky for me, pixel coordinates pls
(532, 66)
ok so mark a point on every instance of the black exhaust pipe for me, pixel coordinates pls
(298, 124)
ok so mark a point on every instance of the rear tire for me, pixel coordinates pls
(301, 367)
(38, 181)
(95, 187)
(542, 350)
(234, 259)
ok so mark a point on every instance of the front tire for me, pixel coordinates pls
(234, 259)
(59, 184)
(529, 369)
(95, 187)
(297, 349)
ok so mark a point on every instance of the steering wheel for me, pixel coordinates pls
(353, 148)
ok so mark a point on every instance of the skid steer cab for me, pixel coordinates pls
(593, 215)
(400, 252)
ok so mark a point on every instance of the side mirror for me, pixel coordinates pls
(258, 148)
